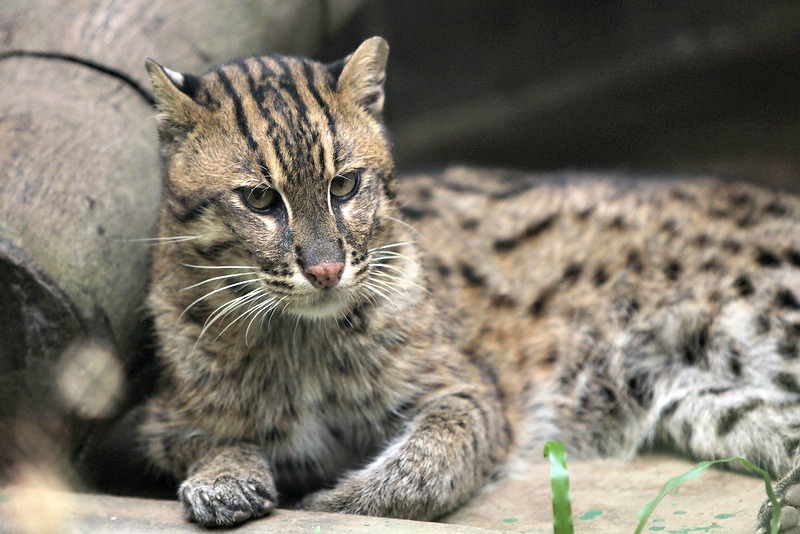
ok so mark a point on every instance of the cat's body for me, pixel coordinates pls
(385, 355)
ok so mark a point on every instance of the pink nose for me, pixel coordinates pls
(325, 275)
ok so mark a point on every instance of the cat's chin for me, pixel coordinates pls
(327, 305)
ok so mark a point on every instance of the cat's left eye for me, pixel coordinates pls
(259, 199)
(345, 186)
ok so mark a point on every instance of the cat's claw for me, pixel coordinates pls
(225, 501)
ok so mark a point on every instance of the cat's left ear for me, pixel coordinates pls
(364, 73)
(174, 95)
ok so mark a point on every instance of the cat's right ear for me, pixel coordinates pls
(363, 74)
(174, 95)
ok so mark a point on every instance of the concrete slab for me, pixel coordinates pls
(606, 496)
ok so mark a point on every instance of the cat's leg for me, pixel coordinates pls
(758, 423)
(734, 391)
(224, 484)
(448, 451)
(712, 386)
(750, 421)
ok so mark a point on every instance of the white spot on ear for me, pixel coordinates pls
(175, 77)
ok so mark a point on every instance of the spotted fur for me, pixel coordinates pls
(384, 350)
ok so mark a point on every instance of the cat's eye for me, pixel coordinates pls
(259, 199)
(344, 186)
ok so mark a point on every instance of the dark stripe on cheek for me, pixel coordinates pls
(191, 213)
(213, 252)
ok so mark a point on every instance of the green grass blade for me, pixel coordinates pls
(644, 514)
(559, 482)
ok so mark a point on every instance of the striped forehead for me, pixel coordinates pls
(281, 110)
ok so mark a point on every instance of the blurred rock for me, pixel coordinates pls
(81, 190)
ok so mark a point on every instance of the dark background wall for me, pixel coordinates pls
(633, 85)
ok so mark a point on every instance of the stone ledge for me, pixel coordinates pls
(606, 495)
(24, 511)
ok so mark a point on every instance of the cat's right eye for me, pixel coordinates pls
(345, 186)
(259, 199)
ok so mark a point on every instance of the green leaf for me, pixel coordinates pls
(644, 514)
(559, 482)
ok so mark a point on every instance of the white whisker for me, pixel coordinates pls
(356, 296)
(388, 254)
(271, 312)
(399, 291)
(164, 240)
(222, 277)
(369, 287)
(224, 310)
(404, 223)
(378, 265)
(251, 267)
(245, 313)
(253, 312)
(392, 245)
(389, 276)
(389, 279)
(294, 332)
(262, 309)
(223, 288)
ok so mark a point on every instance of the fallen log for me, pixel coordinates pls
(80, 193)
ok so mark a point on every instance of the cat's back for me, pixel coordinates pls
(528, 227)
(521, 257)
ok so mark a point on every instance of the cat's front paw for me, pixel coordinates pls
(788, 494)
(226, 500)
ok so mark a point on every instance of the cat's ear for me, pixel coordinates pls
(363, 74)
(174, 95)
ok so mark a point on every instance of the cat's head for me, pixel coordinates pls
(280, 167)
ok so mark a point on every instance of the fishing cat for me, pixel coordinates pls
(380, 347)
